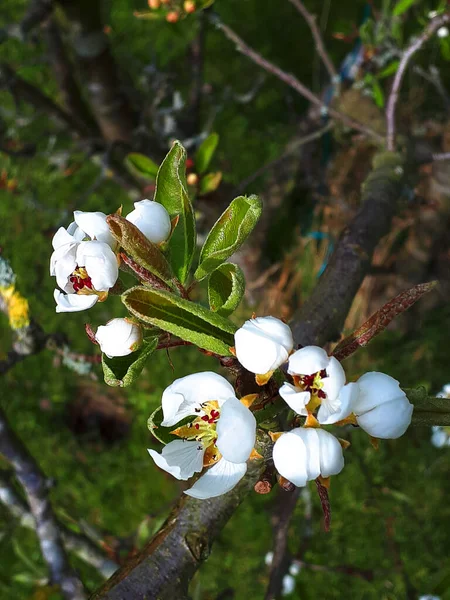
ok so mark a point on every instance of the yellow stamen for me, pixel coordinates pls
(311, 421)
(275, 436)
(263, 379)
(255, 455)
(249, 399)
(350, 420)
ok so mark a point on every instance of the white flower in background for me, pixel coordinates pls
(319, 381)
(381, 407)
(222, 434)
(294, 569)
(119, 337)
(429, 597)
(152, 219)
(83, 262)
(263, 344)
(287, 585)
(440, 436)
(445, 392)
(443, 32)
(268, 558)
(303, 454)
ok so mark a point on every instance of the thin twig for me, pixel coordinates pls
(320, 46)
(294, 83)
(416, 45)
(441, 156)
(35, 487)
(81, 545)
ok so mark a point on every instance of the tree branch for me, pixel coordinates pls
(294, 83)
(320, 46)
(81, 545)
(35, 487)
(416, 45)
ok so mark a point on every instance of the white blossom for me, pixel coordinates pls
(440, 437)
(382, 408)
(152, 219)
(83, 262)
(263, 344)
(222, 434)
(304, 453)
(319, 381)
(119, 337)
(442, 32)
(287, 585)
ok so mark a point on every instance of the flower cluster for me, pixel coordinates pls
(221, 430)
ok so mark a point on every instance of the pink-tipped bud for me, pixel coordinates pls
(154, 4)
(172, 17)
(192, 179)
(189, 6)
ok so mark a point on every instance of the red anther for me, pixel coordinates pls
(197, 426)
(205, 418)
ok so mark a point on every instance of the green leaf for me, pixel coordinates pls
(389, 70)
(226, 287)
(229, 233)
(171, 192)
(141, 166)
(209, 183)
(142, 250)
(187, 320)
(378, 94)
(402, 6)
(163, 434)
(205, 153)
(122, 371)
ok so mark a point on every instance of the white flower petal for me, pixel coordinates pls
(331, 455)
(186, 394)
(389, 420)
(335, 379)
(236, 431)
(152, 219)
(439, 437)
(308, 360)
(119, 337)
(63, 263)
(374, 389)
(95, 226)
(218, 480)
(290, 458)
(288, 585)
(312, 442)
(180, 458)
(61, 238)
(73, 302)
(294, 398)
(263, 344)
(77, 233)
(332, 413)
(100, 263)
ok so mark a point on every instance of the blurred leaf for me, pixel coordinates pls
(226, 287)
(171, 192)
(378, 94)
(389, 70)
(210, 182)
(205, 153)
(381, 319)
(142, 250)
(402, 6)
(229, 233)
(122, 371)
(141, 165)
(428, 410)
(445, 47)
(187, 320)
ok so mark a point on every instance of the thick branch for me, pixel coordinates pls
(416, 45)
(35, 487)
(320, 46)
(294, 83)
(81, 545)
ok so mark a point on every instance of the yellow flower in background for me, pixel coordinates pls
(17, 305)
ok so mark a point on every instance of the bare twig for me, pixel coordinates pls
(294, 83)
(441, 156)
(81, 545)
(320, 46)
(35, 487)
(416, 45)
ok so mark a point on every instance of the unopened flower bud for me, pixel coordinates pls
(152, 219)
(189, 6)
(192, 179)
(154, 4)
(172, 17)
(119, 337)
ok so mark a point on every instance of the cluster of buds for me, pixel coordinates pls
(173, 10)
(222, 432)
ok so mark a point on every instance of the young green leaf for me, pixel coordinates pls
(141, 166)
(163, 434)
(124, 370)
(144, 252)
(402, 6)
(205, 153)
(188, 321)
(226, 287)
(210, 182)
(171, 192)
(229, 233)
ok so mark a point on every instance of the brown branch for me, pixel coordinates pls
(320, 46)
(416, 45)
(35, 487)
(81, 545)
(294, 83)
